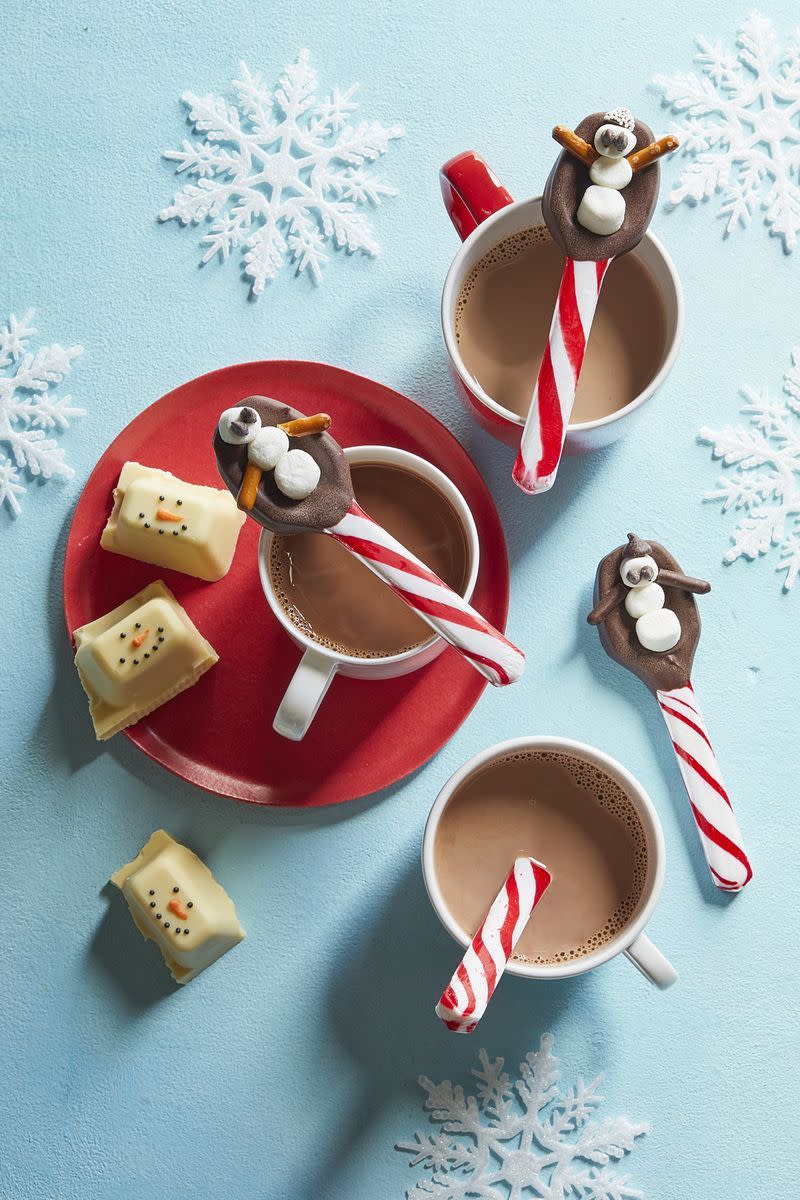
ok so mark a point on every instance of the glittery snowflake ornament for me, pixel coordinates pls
(30, 409)
(280, 174)
(742, 128)
(765, 482)
(521, 1139)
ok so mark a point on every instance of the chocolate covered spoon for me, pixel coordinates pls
(598, 202)
(643, 600)
(331, 508)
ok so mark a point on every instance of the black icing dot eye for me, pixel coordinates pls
(161, 639)
(174, 533)
(147, 524)
(161, 531)
(122, 660)
(147, 655)
(141, 515)
(138, 624)
(152, 903)
(177, 930)
(158, 916)
(190, 903)
(122, 635)
(154, 649)
(183, 527)
(151, 892)
(166, 924)
(161, 629)
(136, 662)
(176, 888)
(179, 502)
(161, 497)
(186, 933)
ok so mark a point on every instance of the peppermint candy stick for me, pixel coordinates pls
(443, 609)
(466, 997)
(719, 831)
(545, 428)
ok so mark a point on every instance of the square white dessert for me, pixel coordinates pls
(177, 903)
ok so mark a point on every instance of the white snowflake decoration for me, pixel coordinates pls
(280, 173)
(741, 128)
(30, 410)
(765, 485)
(520, 1139)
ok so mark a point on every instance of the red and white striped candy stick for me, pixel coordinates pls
(444, 610)
(465, 999)
(719, 831)
(554, 394)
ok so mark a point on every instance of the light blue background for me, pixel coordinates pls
(289, 1070)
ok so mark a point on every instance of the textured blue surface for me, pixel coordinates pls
(289, 1070)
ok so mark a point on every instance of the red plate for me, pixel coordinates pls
(218, 734)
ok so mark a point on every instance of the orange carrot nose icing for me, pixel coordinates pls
(176, 907)
(164, 514)
(140, 637)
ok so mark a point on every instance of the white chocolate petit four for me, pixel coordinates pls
(138, 656)
(177, 903)
(159, 519)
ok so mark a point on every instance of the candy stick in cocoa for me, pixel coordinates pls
(598, 202)
(545, 429)
(648, 622)
(465, 999)
(449, 614)
(328, 506)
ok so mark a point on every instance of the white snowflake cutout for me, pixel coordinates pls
(280, 173)
(765, 482)
(30, 409)
(524, 1138)
(742, 128)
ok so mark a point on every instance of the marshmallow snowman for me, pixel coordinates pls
(296, 472)
(657, 628)
(602, 209)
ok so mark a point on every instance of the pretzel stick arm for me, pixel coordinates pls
(304, 426)
(649, 154)
(685, 582)
(249, 489)
(607, 605)
(575, 145)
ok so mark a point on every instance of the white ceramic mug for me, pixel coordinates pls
(484, 214)
(319, 665)
(631, 940)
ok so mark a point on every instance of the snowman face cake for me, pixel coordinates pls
(175, 901)
(158, 518)
(138, 656)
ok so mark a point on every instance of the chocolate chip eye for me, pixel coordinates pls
(248, 416)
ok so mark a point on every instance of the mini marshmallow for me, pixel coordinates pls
(268, 447)
(238, 426)
(602, 210)
(637, 571)
(612, 141)
(645, 598)
(297, 474)
(611, 172)
(658, 630)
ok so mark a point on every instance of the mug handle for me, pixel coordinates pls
(471, 191)
(648, 959)
(304, 695)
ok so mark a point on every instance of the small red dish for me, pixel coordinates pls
(218, 734)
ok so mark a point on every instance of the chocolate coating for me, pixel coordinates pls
(564, 190)
(660, 672)
(326, 505)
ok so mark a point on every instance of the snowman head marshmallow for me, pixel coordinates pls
(638, 567)
(616, 137)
